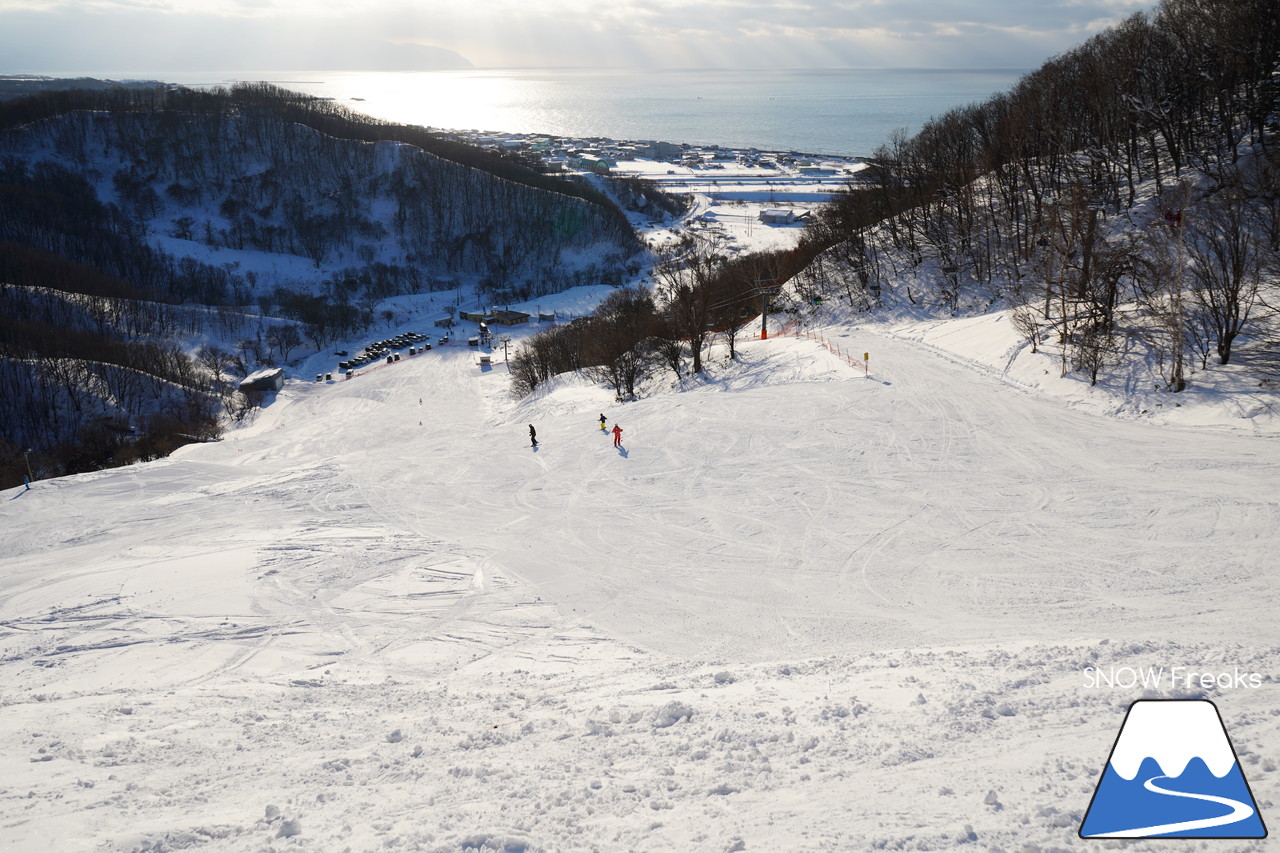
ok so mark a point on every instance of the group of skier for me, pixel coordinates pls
(617, 432)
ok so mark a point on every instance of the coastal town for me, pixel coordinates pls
(745, 198)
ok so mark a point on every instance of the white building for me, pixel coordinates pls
(777, 216)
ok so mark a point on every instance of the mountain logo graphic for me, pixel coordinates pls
(1172, 774)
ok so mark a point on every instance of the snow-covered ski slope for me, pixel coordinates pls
(800, 609)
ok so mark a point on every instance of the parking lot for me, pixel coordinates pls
(390, 350)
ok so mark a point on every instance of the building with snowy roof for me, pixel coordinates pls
(269, 379)
(510, 318)
(777, 216)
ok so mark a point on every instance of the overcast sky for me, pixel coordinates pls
(45, 36)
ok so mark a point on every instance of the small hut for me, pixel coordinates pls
(268, 379)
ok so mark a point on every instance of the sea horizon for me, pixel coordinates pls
(834, 111)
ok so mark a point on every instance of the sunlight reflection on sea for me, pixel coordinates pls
(820, 111)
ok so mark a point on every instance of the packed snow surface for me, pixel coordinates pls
(799, 609)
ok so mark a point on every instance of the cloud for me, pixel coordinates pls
(312, 34)
(137, 40)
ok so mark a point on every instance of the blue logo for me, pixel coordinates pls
(1172, 773)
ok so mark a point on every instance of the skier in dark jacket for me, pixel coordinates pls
(533, 436)
(602, 420)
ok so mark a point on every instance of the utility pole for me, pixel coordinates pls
(763, 292)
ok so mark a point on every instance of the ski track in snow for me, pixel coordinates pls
(802, 611)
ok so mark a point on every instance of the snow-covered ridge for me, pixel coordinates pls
(215, 187)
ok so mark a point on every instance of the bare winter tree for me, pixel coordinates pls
(216, 360)
(284, 338)
(616, 348)
(1160, 289)
(686, 276)
(1226, 252)
(524, 373)
(1026, 319)
(669, 347)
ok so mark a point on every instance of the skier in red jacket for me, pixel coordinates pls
(617, 436)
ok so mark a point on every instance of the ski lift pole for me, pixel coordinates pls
(764, 308)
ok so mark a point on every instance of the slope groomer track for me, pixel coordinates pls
(798, 508)
(927, 505)
(808, 509)
(791, 586)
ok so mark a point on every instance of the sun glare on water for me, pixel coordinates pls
(462, 100)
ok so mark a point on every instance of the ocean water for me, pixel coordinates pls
(817, 111)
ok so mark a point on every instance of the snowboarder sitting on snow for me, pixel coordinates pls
(617, 436)
(533, 436)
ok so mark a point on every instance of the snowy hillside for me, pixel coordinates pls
(277, 222)
(255, 191)
(799, 609)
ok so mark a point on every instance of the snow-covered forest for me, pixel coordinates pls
(1121, 204)
(291, 216)
(1123, 200)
